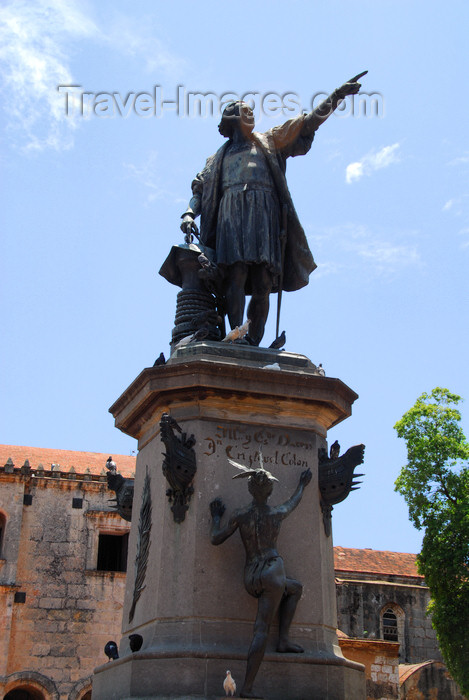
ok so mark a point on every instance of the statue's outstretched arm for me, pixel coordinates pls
(314, 119)
(218, 533)
(287, 507)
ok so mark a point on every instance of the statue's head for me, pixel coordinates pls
(236, 115)
(260, 481)
(260, 485)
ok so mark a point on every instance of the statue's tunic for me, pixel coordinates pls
(293, 138)
(248, 222)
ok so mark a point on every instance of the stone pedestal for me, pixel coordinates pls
(194, 614)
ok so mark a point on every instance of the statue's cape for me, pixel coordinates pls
(277, 144)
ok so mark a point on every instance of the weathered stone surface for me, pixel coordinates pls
(224, 390)
(381, 661)
(92, 626)
(194, 613)
(46, 551)
(429, 679)
(359, 604)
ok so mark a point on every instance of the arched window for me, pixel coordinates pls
(81, 690)
(30, 685)
(392, 627)
(390, 632)
(24, 694)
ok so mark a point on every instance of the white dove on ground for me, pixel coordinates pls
(274, 366)
(200, 334)
(229, 686)
(184, 341)
(237, 333)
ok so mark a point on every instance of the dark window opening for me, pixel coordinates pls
(2, 533)
(28, 499)
(20, 597)
(112, 552)
(23, 694)
(390, 626)
(77, 502)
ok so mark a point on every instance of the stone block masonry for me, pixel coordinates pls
(52, 641)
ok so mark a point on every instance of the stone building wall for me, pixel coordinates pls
(360, 606)
(371, 585)
(57, 610)
(429, 679)
(381, 665)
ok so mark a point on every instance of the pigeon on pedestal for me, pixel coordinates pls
(229, 685)
(111, 651)
(237, 333)
(135, 642)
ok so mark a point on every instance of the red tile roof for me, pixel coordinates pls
(80, 461)
(372, 561)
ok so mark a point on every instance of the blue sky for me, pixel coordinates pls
(91, 206)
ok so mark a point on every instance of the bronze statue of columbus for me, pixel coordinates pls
(247, 213)
(264, 572)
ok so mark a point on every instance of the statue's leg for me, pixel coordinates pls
(235, 282)
(266, 609)
(293, 590)
(258, 309)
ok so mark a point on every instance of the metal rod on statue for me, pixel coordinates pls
(283, 241)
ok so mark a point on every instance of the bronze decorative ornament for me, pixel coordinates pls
(336, 477)
(179, 466)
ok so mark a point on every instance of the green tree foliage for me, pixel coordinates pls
(435, 485)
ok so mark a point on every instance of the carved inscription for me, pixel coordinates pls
(242, 445)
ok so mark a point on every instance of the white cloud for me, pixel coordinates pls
(354, 171)
(386, 256)
(464, 232)
(327, 268)
(36, 43)
(458, 207)
(355, 246)
(146, 174)
(461, 160)
(139, 40)
(32, 39)
(371, 162)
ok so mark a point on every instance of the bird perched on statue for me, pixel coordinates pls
(111, 466)
(160, 360)
(335, 450)
(209, 268)
(275, 365)
(237, 333)
(135, 642)
(229, 685)
(279, 342)
(201, 334)
(258, 472)
(111, 650)
(202, 317)
(321, 370)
